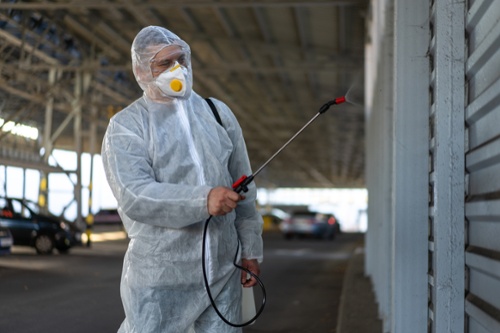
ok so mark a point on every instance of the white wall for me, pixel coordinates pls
(397, 164)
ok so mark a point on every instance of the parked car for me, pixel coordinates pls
(29, 227)
(107, 216)
(5, 240)
(74, 230)
(305, 223)
(272, 217)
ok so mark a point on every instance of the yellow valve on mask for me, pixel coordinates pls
(176, 85)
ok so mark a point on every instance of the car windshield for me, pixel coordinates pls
(33, 206)
(20, 209)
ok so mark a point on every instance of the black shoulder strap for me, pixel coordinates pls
(214, 110)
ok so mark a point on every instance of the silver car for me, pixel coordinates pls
(305, 223)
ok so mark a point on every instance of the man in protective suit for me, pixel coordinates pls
(170, 165)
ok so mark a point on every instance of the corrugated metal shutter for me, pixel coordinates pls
(482, 209)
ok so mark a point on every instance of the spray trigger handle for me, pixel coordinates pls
(241, 185)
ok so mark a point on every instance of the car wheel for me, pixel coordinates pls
(44, 244)
(288, 236)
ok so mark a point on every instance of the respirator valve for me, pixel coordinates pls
(176, 85)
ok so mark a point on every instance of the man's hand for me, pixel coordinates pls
(253, 266)
(222, 200)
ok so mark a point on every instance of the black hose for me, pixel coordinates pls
(207, 286)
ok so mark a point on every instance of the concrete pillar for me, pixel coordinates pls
(410, 166)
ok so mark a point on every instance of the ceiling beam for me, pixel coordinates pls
(30, 49)
(270, 40)
(50, 63)
(112, 36)
(90, 36)
(328, 54)
(302, 19)
(39, 99)
(233, 33)
(143, 15)
(196, 25)
(179, 4)
(212, 69)
(37, 165)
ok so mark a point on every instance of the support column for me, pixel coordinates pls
(82, 83)
(5, 180)
(92, 148)
(24, 184)
(379, 149)
(77, 127)
(47, 143)
(410, 166)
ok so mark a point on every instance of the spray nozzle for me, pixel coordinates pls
(339, 100)
(326, 106)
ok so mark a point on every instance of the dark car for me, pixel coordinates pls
(305, 223)
(107, 216)
(5, 240)
(28, 227)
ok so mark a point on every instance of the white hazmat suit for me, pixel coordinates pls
(162, 156)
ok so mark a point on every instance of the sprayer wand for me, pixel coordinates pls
(241, 185)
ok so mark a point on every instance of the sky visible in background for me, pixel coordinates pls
(61, 188)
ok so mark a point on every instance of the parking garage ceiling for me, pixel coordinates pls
(273, 62)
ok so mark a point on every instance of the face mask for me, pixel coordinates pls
(172, 82)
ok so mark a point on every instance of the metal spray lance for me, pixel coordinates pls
(241, 184)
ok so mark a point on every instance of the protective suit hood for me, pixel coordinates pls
(145, 47)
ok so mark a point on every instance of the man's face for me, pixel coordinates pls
(166, 58)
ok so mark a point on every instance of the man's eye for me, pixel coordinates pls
(165, 63)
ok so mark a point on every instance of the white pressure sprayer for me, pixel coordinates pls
(241, 185)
